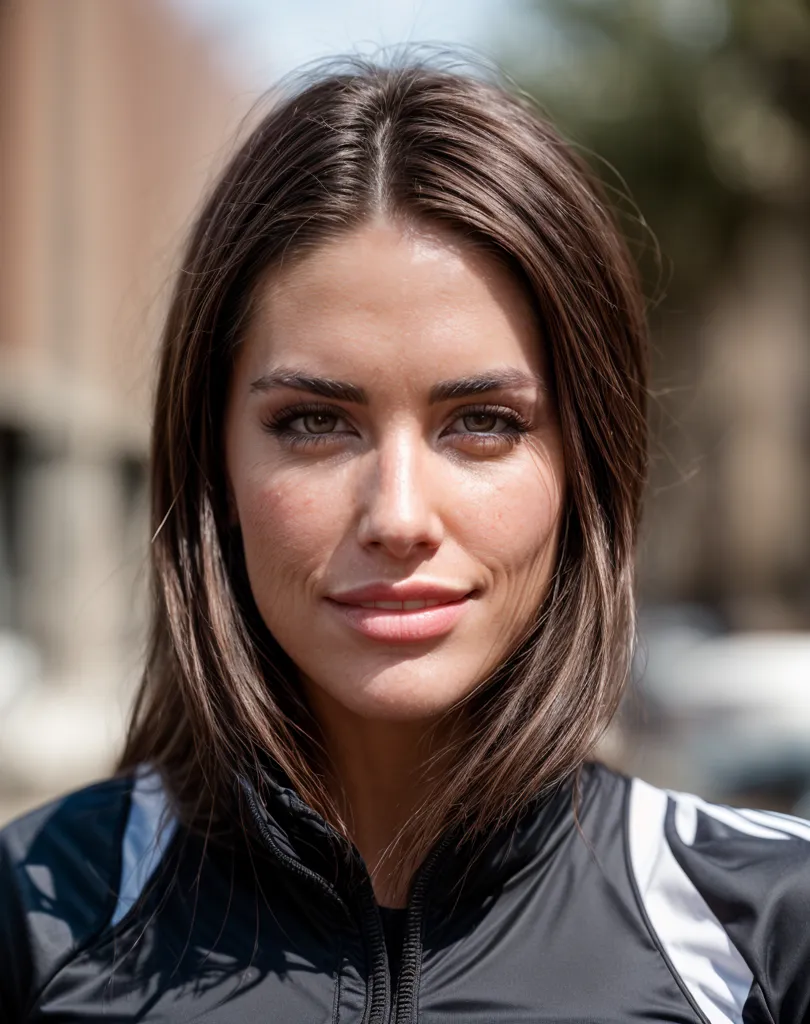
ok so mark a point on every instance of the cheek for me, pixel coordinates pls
(289, 527)
(513, 525)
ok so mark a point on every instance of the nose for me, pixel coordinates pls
(399, 510)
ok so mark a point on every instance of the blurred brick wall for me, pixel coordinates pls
(114, 116)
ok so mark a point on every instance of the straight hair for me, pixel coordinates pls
(435, 147)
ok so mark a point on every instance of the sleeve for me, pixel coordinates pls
(60, 870)
(727, 892)
(753, 870)
(16, 969)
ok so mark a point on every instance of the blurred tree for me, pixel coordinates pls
(701, 106)
(699, 110)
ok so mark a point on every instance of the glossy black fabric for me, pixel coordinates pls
(393, 922)
(608, 913)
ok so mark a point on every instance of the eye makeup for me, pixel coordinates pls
(280, 425)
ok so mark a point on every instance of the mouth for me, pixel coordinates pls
(397, 622)
(400, 606)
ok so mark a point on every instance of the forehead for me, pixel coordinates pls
(386, 297)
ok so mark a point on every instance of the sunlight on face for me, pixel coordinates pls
(391, 440)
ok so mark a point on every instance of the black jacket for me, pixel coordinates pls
(643, 906)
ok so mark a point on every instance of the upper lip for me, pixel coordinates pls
(414, 590)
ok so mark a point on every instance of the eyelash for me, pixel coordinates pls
(278, 424)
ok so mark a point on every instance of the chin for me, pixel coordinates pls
(399, 697)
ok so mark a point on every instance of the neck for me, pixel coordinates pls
(381, 775)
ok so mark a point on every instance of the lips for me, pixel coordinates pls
(401, 593)
(402, 613)
(402, 606)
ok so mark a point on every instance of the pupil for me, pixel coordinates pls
(319, 422)
(480, 421)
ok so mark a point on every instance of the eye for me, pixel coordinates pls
(489, 420)
(487, 430)
(481, 422)
(315, 423)
(303, 425)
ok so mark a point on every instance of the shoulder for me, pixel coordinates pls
(68, 870)
(726, 893)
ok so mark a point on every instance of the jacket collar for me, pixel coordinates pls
(479, 867)
(293, 830)
(467, 867)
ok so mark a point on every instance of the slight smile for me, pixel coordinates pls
(408, 620)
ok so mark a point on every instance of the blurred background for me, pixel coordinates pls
(114, 116)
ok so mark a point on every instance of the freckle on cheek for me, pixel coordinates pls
(287, 514)
(278, 500)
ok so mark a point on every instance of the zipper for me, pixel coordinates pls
(405, 996)
(289, 862)
(377, 1004)
(380, 1008)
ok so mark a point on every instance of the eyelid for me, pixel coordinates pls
(516, 419)
(279, 422)
(281, 419)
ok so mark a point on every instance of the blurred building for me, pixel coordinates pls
(701, 112)
(114, 117)
(728, 522)
(700, 109)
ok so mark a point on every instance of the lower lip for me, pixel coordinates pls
(402, 627)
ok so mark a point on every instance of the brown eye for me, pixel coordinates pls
(319, 422)
(480, 422)
(305, 425)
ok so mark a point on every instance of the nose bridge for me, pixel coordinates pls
(399, 509)
(398, 474)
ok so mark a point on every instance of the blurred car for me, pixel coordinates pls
(736, 705)
(20, 666)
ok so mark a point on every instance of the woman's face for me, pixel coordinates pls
(395, 466)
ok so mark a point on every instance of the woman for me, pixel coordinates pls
(399, 448)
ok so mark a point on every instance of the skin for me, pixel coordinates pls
(396, 489)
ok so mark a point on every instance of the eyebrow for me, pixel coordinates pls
(460, 387)
(326, 386)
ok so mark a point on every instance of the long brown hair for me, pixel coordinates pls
(219, 698)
